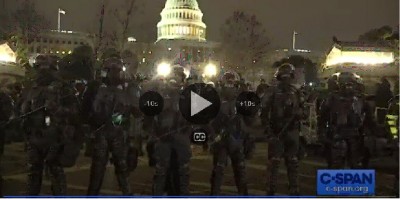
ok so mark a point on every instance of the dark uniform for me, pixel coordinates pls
(6, 110)
(342, 116)
(112, 108)
(392, 124)
(228, 138)
(46, 115)
(284, 111)
(131, 64)
(172, 143)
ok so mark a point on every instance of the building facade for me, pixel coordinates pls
(59, 43)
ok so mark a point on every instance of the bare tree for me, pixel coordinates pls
(244, 41)
(28, 24)
(123, 15)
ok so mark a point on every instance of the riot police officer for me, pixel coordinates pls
(111, 110)
(46, 113)
(283, 110)
(131, 64)
(228, 140)
(342, 116)
(6, 110)
(172, 143)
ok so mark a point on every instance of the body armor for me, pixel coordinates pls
(228, 142)
(172, 150)
(283, 109)
(111, 108)
(343, 116)
(111, 112)
(44, 137)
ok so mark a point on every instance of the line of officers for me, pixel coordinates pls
(59, 118)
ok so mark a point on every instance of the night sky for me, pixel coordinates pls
(316, 21)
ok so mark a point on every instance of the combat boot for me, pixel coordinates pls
(292, 164)
(124, 185)
(273, 168)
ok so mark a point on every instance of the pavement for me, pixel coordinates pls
(15, 174)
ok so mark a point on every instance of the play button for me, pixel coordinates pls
(199, 103)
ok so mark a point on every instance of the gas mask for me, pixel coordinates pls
(347, 89)
(45, 75)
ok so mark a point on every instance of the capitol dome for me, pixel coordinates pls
(181, 19)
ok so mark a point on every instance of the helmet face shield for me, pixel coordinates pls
(348, 82)
(285, 73)
(113, 69)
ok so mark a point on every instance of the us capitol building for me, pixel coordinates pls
(181, 37)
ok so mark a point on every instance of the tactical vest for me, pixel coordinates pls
(167, 119)
(346, 115)
(112, 106)
(38, 115)
(227, 122)
(285, 106)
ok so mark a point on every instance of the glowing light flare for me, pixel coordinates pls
(7, 58)
(6, 54)
(164, 69)
(359, 57)
(186, 71)
(210, 70)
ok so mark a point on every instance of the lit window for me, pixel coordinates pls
(57, 51)
(169, 49)
(69, 52)
(149, 52)
(63, 52)
(144, 60)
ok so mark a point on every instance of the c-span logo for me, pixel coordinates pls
(346, 182)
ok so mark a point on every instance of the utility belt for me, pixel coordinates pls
(346, 132)
(277, 127)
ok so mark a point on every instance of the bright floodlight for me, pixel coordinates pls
(210, 70)
(164, 69)
(124, 68)
(131, 39)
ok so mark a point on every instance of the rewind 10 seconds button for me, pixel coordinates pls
(151, 103)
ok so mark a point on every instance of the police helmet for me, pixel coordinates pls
(285, 70)
(347, 78)
(113, 63)
(229, 78)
